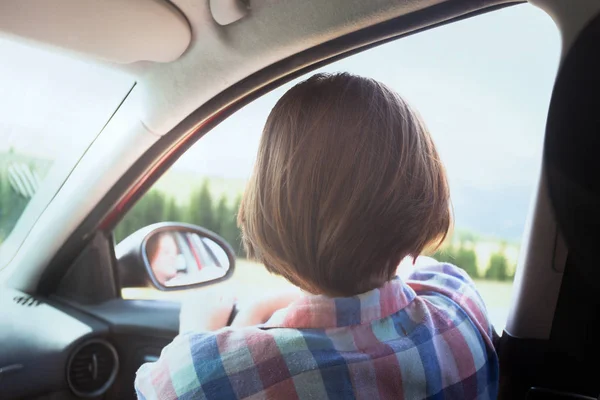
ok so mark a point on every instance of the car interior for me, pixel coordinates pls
(65, 330)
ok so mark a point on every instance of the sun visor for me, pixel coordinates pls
(120, 31)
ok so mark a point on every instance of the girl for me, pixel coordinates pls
(347, 186)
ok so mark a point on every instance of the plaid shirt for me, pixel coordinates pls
(428, 337)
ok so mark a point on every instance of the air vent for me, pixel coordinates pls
(27, 301)
(92, 368)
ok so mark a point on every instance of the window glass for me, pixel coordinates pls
(483, 87)
(52, 106)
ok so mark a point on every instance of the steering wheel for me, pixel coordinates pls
(234, 312)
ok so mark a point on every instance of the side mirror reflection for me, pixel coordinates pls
(180, 257)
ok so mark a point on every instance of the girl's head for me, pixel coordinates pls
(346, 184)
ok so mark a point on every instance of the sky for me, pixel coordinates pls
(52, 103)
(482, 85)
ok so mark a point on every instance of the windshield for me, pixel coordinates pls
(52, 106)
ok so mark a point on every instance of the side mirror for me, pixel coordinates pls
(174, 256)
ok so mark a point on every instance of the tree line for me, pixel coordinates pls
(465, 257)
(155, 206)
(221, 218)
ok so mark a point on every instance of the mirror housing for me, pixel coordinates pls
(173, 256)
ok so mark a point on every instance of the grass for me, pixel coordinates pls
(250, 280)
(497, 297)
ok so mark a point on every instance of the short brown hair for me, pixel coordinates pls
(347, 183)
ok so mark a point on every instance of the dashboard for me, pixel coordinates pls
(52, 349)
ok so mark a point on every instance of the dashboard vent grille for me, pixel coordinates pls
(92, 368)
(27, 301)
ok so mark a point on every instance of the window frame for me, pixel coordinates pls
(140, 178)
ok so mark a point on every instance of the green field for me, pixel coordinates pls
(251, 280)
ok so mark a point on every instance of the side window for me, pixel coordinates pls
(482, 86)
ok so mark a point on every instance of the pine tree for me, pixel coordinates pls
(463, 257)
(467, 260)
(201, 211)
(231, 233)
(173, 212)
(498, 267)
(150, 209)
(222, 215)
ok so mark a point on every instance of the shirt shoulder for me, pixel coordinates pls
(226, 364)
(454, 283)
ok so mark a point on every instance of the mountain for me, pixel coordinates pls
(499, 214)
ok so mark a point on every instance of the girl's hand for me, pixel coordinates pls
(206, 310)
(259, 311)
